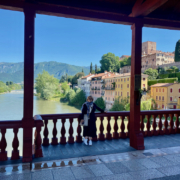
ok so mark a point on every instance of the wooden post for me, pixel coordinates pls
(136, 137)
(28, 121)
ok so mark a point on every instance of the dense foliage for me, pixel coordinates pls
(119, 104)
(9, 86)
(145, 105)
(166, 80)
(110, 62)
(76, 77)
(152, 73)
(177, 52)
(74, 98)
(125, 62)
(47, 85)
(100, 103)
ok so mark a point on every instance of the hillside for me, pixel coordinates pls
(14, 71)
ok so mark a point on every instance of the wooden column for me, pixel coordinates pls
(28, 120)
(136, 137)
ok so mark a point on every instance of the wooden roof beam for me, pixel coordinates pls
(143, 8)
(88, 14)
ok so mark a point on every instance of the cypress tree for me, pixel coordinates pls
(177, 52)
(82, 70)
(96, 68)
(91, 68)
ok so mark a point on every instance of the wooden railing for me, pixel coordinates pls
(152, 123)
(16, 125)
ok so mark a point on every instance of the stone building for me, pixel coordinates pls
(151, 58)
(148, 47)
(155, 60)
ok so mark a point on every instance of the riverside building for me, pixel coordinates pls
(166, 95)
(84, 83)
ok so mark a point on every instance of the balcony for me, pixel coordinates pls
(117, 128)
(109, 88)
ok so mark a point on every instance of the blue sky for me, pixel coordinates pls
(73, 41)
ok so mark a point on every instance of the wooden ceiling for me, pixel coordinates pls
(152, 13)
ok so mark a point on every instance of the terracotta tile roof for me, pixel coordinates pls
(162, 85)
(102, 74)
(84, 77)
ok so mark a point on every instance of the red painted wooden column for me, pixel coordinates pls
(136, 137)
(28, 121)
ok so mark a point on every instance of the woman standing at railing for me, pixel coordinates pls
(88, 120)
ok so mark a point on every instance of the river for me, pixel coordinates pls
(11, 108)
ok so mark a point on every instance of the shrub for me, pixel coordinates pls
(100, 103)
(166, 80)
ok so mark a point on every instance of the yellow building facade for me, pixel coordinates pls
(123, 84)
(166, 95)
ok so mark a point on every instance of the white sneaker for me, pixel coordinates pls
(85, 141)
(90, 142)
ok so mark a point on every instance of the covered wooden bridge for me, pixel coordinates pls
(163, 14)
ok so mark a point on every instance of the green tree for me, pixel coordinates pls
(125, 62)
(177, 52)
(48, 91)
(65, 87)
(63, 79)
(76, 77)
(91, 68)
(42, 81)
(100, 103)
(82, 71)
(119, 104)
(96, 70)
(175, 69)
(110, 62)
(78, 99)
(152, 73)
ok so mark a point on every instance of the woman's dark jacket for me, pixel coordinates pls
(92, 122)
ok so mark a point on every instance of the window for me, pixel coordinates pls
(121, 86)
(170, 98)
(121, 93)
(121, 80)
(162, 98)
(179, 90)
(144, 79)
(143, 85)
(127, 85)
(163, 106)
(118, 85)
(106, 98)
(171, 90)
(156, 89)
(163, 90)
(113, 99)
(116, 93)
(124, 79)
(159, 90)
(159, 98)
(118, 79)
(127, 79)
(156, 97)
(127, 94)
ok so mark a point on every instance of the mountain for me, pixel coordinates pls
(14, 71)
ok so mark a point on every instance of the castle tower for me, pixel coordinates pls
(148, 47)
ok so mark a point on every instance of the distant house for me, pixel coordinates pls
(166, 95)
